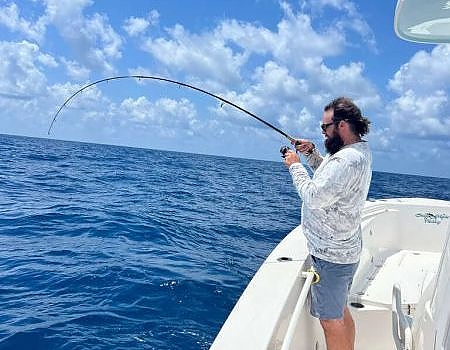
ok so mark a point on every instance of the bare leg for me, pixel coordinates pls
(340, 333)
(350, 327)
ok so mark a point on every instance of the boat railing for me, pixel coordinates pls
(401, 327)
(299, 307)
(374, 211)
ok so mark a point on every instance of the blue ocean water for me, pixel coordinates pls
(106, 247)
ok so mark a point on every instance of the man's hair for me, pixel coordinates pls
(345, 109)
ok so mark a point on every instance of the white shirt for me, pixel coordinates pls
(333, 200)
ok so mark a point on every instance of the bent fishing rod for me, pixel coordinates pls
(179, 83)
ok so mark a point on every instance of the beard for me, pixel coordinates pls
(334, 143)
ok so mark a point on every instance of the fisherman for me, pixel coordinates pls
(331, 213)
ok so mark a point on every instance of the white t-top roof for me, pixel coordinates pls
(426, 21)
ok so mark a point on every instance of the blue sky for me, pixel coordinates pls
(282, 60)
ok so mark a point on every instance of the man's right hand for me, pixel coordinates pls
(303, 146)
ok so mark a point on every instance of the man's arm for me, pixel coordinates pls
(311, 153)
(314, 159)
(325, 189)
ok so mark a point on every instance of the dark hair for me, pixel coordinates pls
(345, 109)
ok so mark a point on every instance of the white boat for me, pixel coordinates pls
(400, 297)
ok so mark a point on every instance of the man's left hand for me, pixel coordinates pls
(290, 158)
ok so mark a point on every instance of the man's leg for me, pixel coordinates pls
(329, 303)
(339, 333)
(349, 326)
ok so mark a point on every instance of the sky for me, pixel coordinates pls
(281, 60)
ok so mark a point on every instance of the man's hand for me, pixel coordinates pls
(290, 158)
(305, 147)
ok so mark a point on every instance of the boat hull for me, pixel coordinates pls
(400, 236)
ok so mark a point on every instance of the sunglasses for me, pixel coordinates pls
(324, 127)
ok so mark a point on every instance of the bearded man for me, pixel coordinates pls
(332, 201)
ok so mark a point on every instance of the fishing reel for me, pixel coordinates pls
(284, 150)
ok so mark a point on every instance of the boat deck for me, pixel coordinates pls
(402, 247)
(371, 295)
(413, 271)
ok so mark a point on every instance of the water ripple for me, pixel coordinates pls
(105, 247)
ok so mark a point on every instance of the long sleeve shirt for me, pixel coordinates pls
(333, 200)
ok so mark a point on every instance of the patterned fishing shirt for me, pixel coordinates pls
(333, 200)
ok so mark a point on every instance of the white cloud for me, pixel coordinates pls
(75, 70)
(351, 19)
(275, 93)
(347, 80)
(90, 99)
(423, 105)
(92, 39)
(304, 120)
(21, 65)
(298, 43)
(292, 75)
(295, 44)
(424, 72)
(81, 112)
(275, 80)
(296, 103)
(167, 116)
(138, 25)
(60, 11)
(10, 18)
(423, 116)
(134, 26)
(245, 35)
(140, 71)
(204, 55)
(47, 60)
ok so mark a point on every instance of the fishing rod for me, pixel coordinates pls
(290, 138)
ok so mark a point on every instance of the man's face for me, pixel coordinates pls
(333, 141)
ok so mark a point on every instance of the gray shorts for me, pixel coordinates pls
(329, 296)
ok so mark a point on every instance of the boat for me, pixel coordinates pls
(401, 290)
(399, 297)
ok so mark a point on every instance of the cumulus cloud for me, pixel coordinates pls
(164, 115)
(285, 71)
(422, 116)
(274, 79)
(88, 106)
(349, 19)
(346, 80)
(222, 53)
(90, 99)
(203, 55)
(75, 70)
(93, 41)
(292, 79)
(134, 26)
(138, 25)
(247, 36)
(10, 18)
(422, 84)
(295, 43)
(21, 68)
(298, 43)
(425, 71)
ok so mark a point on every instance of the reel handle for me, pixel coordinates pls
(284, 150)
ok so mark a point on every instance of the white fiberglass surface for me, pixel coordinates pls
(423, 21)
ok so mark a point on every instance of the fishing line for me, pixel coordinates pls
(179, 83)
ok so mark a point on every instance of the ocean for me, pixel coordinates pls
(108, 247)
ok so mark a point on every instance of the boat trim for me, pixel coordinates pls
(310, 275)
(401, 327)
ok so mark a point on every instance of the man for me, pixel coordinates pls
(331, 213)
